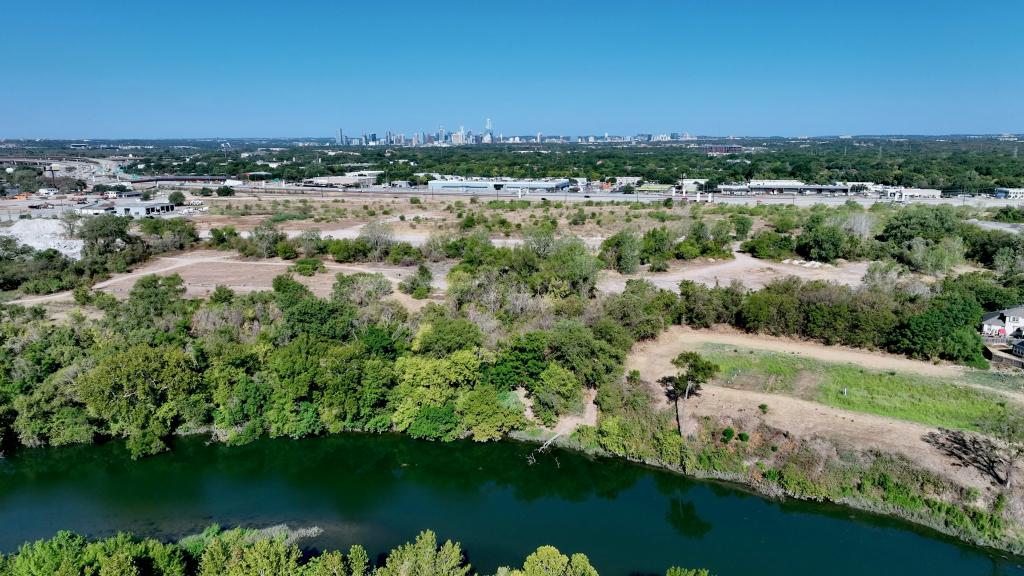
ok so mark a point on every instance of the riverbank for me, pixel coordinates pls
(380, 490)
(818, 471)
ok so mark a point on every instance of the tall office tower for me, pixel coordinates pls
(340, 138)
(538, 137)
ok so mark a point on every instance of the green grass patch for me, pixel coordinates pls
(905, 396)
(1000, 380)
(902, 395)
(286, 216)
(750, 369)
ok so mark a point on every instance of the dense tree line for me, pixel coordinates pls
(970, 165)
(288, 363)
(240, 552)
(931, 240)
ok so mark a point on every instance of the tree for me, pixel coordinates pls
(694, 371)
(176, 198)
(548, 561)
(104, 234)
(655, 245)
(265, 238)
(742, 224)
(378, 236)
(824, 243)
(71, 221)
(143, 394)
(677, 571)
(556, 392)
(445, 335)
(769, 245)
(621, 252)
(425, 558)
(1006, 424)
(487, 414)
(417, 285)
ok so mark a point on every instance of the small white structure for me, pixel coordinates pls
(691, 185)
(96, 209)
(899, 193)
(143, 209)
(627, 180)
(48, 192)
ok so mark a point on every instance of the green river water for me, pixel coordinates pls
(381, 490)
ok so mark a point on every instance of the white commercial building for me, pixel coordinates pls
(775, 186)
(899, 193)
(143, 209)
(495, 185)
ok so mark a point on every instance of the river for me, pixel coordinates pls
(381, 490)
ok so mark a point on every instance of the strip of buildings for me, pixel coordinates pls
(794, 187)
(496, 185)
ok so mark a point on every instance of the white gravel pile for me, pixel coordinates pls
(42, 233)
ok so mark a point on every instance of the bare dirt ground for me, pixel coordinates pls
(204, 270)
(566, 424)
(750, 271)
(802, 417)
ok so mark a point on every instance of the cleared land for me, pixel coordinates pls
(803, 392)
(203, 270)
(750, 271)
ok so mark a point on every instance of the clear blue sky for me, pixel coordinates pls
(184, 68)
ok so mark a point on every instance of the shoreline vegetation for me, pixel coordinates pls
(270, 551)
(891, 487)
(520, 338)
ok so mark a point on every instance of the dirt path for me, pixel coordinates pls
(566, 424)
(803, 418)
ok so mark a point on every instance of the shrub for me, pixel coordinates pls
(621, 252)
(769, 245)
(307, 266)
(727, 435)
(286, 250)
(417, 285)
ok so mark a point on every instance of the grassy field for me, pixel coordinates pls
(902, 395)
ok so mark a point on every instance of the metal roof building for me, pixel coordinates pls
(493, 185)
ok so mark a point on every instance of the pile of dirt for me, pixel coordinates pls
(42, 234)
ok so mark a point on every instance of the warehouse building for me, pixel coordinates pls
(495, 185)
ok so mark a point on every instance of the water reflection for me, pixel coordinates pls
(380, 490)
